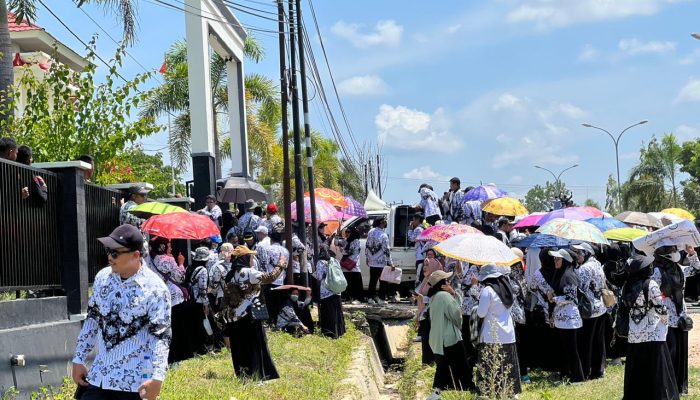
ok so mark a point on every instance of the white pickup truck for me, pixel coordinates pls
(402, 251)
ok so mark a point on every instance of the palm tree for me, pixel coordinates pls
(262, 105)
(25, 10)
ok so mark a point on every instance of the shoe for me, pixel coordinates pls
(434, 396)
(371, 301)
(525, 379)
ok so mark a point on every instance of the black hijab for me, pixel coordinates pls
(501, 286)
(672, 281)
(563, 277)
(547, 270)
(635, 282)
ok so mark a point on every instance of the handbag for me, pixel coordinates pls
(258, 310)
(585, 305)
(685, 323)
(348, 264)
(609, 298)
(391, 276)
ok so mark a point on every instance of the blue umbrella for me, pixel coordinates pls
(605, 224)
(544, 240)
(483, 193)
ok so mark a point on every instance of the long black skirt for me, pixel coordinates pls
(591, 341)
(452, 370)
(472, 353)
(508, 372)
(542, 350)
(649, 373)
(427, 356)
(330, 317)
(249, 352)
(180, 326)
(677, 342)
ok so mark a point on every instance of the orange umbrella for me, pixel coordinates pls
(330, 196)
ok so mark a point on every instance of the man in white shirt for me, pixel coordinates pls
(212, 210)
(128, 318)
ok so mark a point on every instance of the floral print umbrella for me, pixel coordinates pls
(477, 249)
(330, 196)
(440, 233)
(353, 209)
(483, 193)
(573, 230)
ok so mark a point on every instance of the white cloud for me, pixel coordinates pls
(403, 128)
(588, 54)
(684, 132)
(633, 47)
(454, 28)
(363, 85)
(546, 14)
(569, 110)
(690, 92)
(508, 101)
(424, 173)
(386, 33)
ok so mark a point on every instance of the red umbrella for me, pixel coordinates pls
(181, 226)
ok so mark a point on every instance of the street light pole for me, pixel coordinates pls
(556, 177)
(616, 142)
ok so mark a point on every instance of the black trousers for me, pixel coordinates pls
(521, 346)
(427, 356)
(354, 289)
(592, 347)
(452, 370)
(472, 352)
(677, 342)
(570, 360)
(374, 274)
(97, 393)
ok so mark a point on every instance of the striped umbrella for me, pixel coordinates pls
(324, 210)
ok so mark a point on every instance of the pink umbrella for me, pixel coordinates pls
(570, 213)
(324, 211)
(531, 220)
(594, 212)
(440, 233)
(353, 209)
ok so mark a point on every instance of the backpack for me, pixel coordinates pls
(192, 273)
(335, 280)
(585, 305)
(621, 325)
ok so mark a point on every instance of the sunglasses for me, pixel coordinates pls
(116, 253)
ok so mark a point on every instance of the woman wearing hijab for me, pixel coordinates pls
(330, 309)
(516, 278)
(670, 276)
(592, 339)
(538, 318)
(451, 368)
(289, 319)
(649, 370)
(566, 316)
(249, 352)
(350, 243)
(498, 332)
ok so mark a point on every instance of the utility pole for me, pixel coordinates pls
(287, 190)
(298, 171)
(307, 133)
(365, 181)
(371, 175)
(379, 177)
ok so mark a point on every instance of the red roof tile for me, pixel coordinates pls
(24, 26)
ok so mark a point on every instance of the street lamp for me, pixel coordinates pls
(556, 177)
(617, 152)
(695, 35)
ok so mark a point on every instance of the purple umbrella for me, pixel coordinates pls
(354, 209)
(571, 213)
(483, 193)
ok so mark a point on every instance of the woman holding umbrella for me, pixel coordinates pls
(249, 351)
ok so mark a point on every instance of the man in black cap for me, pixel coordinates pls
(128, 317)
(137, 195)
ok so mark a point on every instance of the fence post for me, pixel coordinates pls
(72, 231)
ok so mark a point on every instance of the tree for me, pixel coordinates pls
(262, 106)
(540, 199)
(612, 198)
(591, 203)
(68, 114)
(25, 10)
(646, 188)
(134, 165)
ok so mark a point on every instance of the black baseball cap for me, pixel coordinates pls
(125, 235)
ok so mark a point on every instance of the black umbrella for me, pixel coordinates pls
(238, 189)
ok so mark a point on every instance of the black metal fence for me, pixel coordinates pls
(102, 215)
(29, 242)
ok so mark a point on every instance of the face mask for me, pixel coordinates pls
(674, 257)
(294, 297)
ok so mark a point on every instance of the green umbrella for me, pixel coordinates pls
(152, 208)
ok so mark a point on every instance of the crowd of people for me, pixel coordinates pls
(566, 309)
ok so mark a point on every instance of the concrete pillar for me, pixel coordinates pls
(237, 120)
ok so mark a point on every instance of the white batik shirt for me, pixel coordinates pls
(470, 293)
(566, 314)
(248, 221)
(353, 253)
(419, 246)
(538, 287)
(271, 258)
(592, 278)
(199, 282)
(429, 203)
(171, 273)
(648, 322)
(455, 210)
(320, 275)
(272, 221)
(517, 283)
(377, 249)
(217, 275)
(688, 271)
(127, 319)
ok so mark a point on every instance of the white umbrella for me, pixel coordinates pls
(666, 218)
(680, 234)
(477, 249)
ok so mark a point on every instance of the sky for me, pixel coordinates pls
(481, 90)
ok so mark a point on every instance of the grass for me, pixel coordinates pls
(311, 368)
(543, 385)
